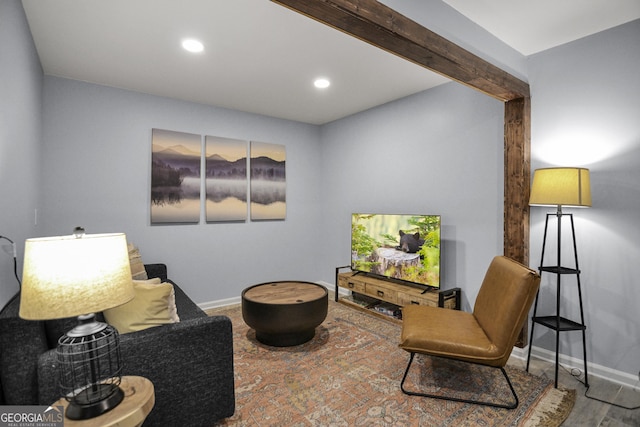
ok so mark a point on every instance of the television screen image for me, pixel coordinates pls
(402, 247)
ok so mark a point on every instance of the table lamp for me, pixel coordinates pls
(80, 275)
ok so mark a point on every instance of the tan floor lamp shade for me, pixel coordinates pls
(79, 275)
(561, 187)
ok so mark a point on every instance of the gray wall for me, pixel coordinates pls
(437, 152)
(586, 112)
(96, 168)
(20, 135)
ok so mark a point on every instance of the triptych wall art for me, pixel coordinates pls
(240, 179)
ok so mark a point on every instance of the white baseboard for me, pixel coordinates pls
(612, 375)
(572, 363)
(219, 303)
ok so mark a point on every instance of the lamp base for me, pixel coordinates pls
(78, 410)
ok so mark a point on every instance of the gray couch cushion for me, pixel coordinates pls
(18, 363)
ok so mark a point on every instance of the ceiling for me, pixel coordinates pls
(533, 26)
(262, 58)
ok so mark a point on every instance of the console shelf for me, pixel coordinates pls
(385, 298)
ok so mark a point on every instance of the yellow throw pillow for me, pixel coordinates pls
(173, 310)
(135, 261)
(150, 307)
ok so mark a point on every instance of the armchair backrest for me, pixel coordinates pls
(503, 303)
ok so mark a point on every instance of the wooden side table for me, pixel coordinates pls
(139, 398)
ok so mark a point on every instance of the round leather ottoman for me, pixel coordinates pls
(284, 313)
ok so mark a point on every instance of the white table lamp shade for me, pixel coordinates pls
(70, 276)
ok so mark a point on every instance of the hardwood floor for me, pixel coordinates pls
(589, 412)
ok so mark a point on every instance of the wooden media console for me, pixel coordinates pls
(386, 297)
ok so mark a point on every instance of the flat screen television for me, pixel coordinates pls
(401, 247)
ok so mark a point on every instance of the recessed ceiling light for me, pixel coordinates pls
(192, 45)
(322, 83)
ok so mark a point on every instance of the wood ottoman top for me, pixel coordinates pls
(285, 292)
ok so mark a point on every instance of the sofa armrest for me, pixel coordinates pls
(190, 364)
(21, 343)
(156, 270)
(187, 309)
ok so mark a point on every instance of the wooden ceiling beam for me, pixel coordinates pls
(383, 27)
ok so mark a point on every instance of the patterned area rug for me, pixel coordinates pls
(349, 375)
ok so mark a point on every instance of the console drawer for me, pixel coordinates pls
(351, 284)
(382, 292)
(415, 298)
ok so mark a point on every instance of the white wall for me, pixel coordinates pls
(586, 112)
(437, 152)
(96, 168)
(20, 135)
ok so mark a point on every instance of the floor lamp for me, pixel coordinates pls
(569, 187)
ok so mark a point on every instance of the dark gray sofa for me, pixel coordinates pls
(190, 363)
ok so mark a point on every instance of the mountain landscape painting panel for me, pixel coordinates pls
(268, 181)
(175, 177)
(226, 179)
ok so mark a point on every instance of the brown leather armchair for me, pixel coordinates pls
(484, 337)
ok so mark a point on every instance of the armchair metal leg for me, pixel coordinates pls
(456, 399)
